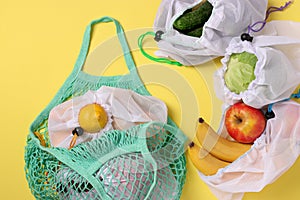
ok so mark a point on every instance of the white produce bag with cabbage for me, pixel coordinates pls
(264, 71)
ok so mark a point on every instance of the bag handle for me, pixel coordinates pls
(270, 10)
(160, 60)
(87, 39)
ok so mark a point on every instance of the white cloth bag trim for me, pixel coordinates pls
(272, 154)
(277, 70)
(124, 108)
(222, 26)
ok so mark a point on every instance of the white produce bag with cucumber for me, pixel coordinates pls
(197, 31)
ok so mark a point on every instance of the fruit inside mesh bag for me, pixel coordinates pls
(89, 116)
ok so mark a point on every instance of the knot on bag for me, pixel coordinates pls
(254, 28)
(158, 35)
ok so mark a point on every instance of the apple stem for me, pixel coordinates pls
(238, 119)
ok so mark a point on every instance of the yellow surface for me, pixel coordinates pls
(39, 43)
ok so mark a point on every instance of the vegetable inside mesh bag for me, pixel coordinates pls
(271, 155)
(276, 72)
(228, 19)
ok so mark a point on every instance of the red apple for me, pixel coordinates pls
(244, 123)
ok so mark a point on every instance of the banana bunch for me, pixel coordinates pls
(215, 151)
(204, 161)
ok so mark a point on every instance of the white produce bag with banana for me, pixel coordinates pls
(180, 39)
(253, 166)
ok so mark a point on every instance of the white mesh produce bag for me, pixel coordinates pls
(277, 71)
(229, 18)
(124, 109)
(272, 154)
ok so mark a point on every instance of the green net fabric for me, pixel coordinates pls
(144, 162)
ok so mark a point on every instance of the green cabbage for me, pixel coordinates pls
(240, 71)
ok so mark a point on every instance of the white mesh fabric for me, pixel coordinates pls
(124, 108)
(222, 26)
(277, 70)
(272, 154)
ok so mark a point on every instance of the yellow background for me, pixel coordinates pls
(39, 43)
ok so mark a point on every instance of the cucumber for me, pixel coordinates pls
(194, 19)
(196, 32)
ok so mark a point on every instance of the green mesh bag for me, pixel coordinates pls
(144, 162)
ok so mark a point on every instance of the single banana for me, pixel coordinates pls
(204, 161)
(218, 146)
